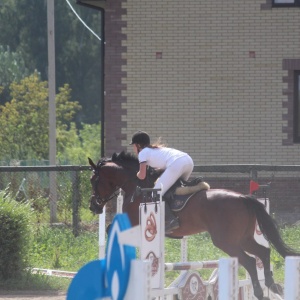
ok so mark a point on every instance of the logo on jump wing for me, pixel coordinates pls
(259, 263)
(107, 277)
(150, 229)
(257, 229)
(118, 258)
(154, 263)
(116, 251)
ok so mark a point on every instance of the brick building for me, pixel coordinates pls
(217, 79)
(213, 78)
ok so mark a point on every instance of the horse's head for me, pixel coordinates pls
(102, 185)
(111, 174)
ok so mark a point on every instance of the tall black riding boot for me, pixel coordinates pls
(171, 221)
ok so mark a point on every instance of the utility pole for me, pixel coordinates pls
(52, 110)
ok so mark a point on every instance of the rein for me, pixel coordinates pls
(104, 200)
(111, 196)
(101, 201)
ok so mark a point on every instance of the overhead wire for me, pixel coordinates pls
(82, 21)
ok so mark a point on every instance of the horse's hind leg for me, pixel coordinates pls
(251, 246)
(248, 262)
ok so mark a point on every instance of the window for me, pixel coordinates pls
(285, 3)
(297, 108)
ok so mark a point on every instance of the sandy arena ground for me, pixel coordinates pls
(35, 295)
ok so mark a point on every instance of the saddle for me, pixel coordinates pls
(181, 192)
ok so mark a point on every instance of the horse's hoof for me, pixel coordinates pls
(276, 288)
(269, 278)
(258, 292)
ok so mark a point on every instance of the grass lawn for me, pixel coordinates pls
(57, 248)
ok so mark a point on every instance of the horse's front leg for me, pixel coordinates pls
(132, 210)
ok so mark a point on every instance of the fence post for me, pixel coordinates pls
(228, 278)
(53, 196)
(253, 174)
(76, 201)
(292, 278)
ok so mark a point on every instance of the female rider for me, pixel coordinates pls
(174, 163)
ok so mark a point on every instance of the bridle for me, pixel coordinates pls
(102, 201)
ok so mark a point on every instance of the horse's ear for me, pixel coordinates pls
(92, 164)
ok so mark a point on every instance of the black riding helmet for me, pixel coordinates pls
(140, 137)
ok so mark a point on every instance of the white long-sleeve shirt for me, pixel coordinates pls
(161, 157)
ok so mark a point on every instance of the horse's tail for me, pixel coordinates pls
(268, 227)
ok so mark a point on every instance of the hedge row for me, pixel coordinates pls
(15, 235)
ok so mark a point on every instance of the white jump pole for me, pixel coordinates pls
(119, 202)
(184, 249)
(139, 286)
(228, 278)
(102, 243)
(292, 278)
(102, 225)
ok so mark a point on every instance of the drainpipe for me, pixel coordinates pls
(102, 11)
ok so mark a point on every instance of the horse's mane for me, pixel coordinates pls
(122, 159)
(130, 163)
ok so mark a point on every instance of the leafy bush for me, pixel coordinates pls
(14, 236)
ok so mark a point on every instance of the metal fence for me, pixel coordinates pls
(73, 187)
(283, 185)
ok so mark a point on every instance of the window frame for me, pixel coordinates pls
(278, 5)
(296, 107)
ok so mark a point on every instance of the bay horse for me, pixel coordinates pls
(229, 217)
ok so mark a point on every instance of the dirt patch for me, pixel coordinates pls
(36, 295)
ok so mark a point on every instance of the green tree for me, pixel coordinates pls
(24, 120)
(9, 35)
(12, 68)
(23, 26)
(81, 144)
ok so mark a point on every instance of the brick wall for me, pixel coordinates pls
(113, 76)
(206, 76)
(213, 78)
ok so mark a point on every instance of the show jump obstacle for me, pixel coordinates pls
(120, 275)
